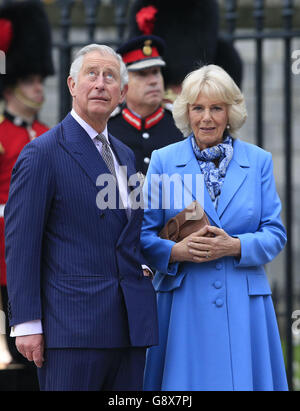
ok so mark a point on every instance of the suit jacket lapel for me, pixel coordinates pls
(79, 145)
(136, 214)
(122, 156)
(81, 148)
(236, 173)
(187, 164)
(124, 159)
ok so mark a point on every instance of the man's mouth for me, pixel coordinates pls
(153, 91)
(100, 99)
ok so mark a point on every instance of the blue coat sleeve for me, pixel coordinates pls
(26, 212)
(156, 250)
(262, 246)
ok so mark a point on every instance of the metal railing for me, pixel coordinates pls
(65, 46)
(259, 35)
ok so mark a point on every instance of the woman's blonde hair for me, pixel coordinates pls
(213, 82)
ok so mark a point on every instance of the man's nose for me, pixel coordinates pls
(153, 78)
(100, 82)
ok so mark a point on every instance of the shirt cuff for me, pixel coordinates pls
(28, 328)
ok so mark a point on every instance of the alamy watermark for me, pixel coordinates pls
(2, 322)
(296, 63)
(161, 191)
(296, 324)
(2, 62)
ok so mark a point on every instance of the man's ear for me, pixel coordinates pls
(71, 85)
(123, 93)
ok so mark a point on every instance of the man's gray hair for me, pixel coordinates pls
(104, 50)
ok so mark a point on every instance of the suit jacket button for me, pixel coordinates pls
(217, 284)
(219, 302)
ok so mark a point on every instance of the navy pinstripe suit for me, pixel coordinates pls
(76, 267)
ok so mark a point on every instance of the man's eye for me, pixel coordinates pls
(109, 76)
(92, 73)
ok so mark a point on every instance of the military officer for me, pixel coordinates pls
(144, 123)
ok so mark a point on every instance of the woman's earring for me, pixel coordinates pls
(228, 126)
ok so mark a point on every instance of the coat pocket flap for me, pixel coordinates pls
(258, 284)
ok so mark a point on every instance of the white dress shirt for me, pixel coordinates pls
(35, 327)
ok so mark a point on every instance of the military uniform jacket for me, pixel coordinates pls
(144, 135)
(13, 138)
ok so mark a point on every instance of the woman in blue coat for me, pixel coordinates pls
(218, 329)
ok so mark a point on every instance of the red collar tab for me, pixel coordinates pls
(136, 121)
(154, 118)
(132, 118)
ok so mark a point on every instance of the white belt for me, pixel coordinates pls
(2, 206)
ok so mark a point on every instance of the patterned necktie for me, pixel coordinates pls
(107, 155)
(109, 161)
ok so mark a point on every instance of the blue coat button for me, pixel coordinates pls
(219, 266)
(219, 302)
(217, 284)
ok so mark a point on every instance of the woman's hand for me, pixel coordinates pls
(200, 249)
(182, 251)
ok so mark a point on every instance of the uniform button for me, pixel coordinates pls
(219, 266)
(146, 160)
(219, 302)
(146, 135)
(217, 284)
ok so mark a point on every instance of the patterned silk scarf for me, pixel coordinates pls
(214, 176)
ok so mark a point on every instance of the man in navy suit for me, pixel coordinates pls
(80, 303)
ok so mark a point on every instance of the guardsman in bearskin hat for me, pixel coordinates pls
(144, 123)
(25, 41)
(191, 32)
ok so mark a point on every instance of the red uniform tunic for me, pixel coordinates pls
(12, 140)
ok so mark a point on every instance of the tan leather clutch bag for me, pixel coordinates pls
(189, 220)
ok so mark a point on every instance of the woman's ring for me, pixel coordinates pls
(207, 254)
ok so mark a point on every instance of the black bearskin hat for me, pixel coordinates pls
(190, 30)
(25, 38)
